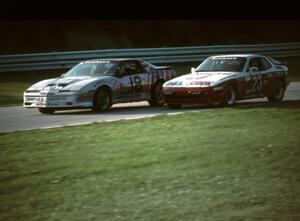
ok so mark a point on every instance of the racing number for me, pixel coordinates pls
(257, 85)
(136, 84)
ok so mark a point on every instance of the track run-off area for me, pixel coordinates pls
(18, 118)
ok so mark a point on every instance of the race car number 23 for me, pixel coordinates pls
(257, 83)
(136, 83)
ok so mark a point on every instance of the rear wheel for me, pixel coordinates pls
(277, 92)
(102, 100)
(45, 110)
(230, 95)
(157, 95)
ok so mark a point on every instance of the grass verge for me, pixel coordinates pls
(228, 164)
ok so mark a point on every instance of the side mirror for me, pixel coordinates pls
(63, 75)
(253, 69)
(193, 70)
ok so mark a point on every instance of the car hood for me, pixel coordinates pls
(201, 79)
(64, 83)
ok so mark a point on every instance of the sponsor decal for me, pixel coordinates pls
(196, 78)
(171, 83)
(206, 83)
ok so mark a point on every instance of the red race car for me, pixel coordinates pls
(225, 79)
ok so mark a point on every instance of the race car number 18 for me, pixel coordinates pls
(136, 84)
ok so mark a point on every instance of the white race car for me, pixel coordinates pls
(224, 79)
(98, 84)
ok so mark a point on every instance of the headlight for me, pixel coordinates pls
(195, 92)
(32, 91)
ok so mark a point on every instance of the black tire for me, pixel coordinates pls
(174, 106)
(102, 100)
(157, 95)
(230, 95)
(277, 92)
(45, 110)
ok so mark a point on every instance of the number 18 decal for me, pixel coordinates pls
(257, 85)
(136, 83)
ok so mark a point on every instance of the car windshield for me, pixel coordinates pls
(235, 64)
(93, 69)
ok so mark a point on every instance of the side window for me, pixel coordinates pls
(260, 62)
(139, 68)
(253, 63)
(265, 65)
(128, 68)
(143, 66)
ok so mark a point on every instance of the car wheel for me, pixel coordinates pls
(230, 95)
(157, 95)
(102, 100)
(46, 110)
(277, 92)
(174, 105)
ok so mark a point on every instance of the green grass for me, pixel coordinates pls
(13, 85)
(228, 164)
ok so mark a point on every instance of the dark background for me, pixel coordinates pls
(49, 35)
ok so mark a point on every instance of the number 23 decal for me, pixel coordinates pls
(257, 85)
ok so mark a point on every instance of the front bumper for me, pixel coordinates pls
(38, 100)
(193, 96)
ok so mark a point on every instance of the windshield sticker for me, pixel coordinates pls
(224, 58)
(94, 62)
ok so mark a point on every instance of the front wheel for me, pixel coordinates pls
(102, 100)
(277, 92)
(230, 95)
(45, 110)
(157, 95)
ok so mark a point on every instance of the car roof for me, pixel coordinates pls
(239, 55)
(115, 59)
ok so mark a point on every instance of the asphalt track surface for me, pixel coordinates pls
(18, 118)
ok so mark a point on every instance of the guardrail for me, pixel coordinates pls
(66, 60)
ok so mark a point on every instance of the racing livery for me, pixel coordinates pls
(224, 79)
(98, 84)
